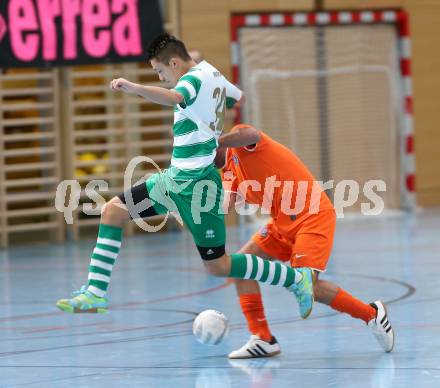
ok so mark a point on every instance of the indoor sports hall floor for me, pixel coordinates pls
(159, 285)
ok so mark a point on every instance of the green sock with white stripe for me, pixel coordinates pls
(103, 258)
(247, 266)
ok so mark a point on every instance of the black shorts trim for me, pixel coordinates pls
(211, 253)
(138, 193)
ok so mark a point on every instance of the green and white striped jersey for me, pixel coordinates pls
(199, 120)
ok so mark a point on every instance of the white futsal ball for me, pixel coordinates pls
(210, 327)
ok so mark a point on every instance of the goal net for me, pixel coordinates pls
(332, 95)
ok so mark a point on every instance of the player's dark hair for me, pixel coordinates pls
(166, 46)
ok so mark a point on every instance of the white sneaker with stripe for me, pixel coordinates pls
(381, 327)
(256, 348)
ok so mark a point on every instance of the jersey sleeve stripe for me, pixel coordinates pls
(189, 87)
(193, 80)
(192, 84)
(230, 102)
(185, 93)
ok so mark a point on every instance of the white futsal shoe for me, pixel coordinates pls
(381, 327)
(256, 348)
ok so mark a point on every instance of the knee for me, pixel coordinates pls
(217, 267)
(214, 271)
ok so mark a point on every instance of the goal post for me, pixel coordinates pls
(335, 87)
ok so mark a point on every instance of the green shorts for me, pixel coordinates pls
(197, 202)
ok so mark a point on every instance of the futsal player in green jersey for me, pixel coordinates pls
(200, 95)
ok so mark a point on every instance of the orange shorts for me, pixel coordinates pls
(306, 243)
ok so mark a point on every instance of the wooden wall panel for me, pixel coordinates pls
(30, 157)
(205, 26)
(65, 123)
(425, 22)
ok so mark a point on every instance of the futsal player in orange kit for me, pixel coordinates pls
(259, 169)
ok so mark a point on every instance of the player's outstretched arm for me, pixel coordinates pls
(154, 94)
(240, 136)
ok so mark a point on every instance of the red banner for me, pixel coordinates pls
(68, 32)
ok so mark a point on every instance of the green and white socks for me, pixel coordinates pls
(247, 266)
(103, 258)
(243, 266)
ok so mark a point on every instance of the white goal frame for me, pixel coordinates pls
(399, 18)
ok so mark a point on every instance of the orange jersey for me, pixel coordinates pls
(273, 177)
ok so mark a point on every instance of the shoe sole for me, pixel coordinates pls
(74, 310)
(273, 354)
(313, 297)
(394, 334)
